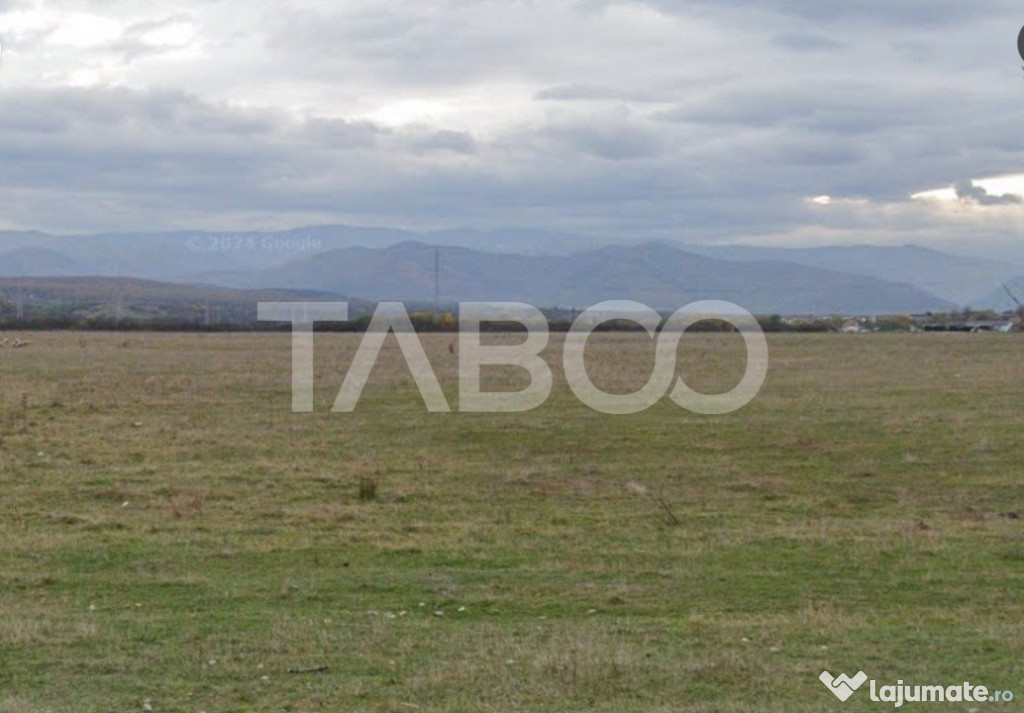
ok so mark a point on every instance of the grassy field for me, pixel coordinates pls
(175, 539)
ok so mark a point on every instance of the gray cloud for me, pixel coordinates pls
(594, 92)
(458, 142)
(806, 42)
(967, 190)
(612, 139)
(713, 121)
(339, 134)
(914, 13)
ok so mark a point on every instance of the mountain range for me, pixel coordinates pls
(540, 267)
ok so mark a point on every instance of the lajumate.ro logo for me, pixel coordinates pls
(473, 355)
(843, 686)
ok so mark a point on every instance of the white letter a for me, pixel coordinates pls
(390, 316)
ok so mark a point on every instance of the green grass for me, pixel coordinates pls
(173, 534)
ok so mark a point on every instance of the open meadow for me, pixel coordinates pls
(176, 539)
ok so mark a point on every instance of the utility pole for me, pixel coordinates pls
(118, 304)
(118, 298)
(437, 281)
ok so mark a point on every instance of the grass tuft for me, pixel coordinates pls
(368, 485)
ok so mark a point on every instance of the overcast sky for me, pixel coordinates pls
(786, 122)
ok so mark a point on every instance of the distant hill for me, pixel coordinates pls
(535, 265)
(183, 256)
(70, 300)
(28, 261)
(998, 299)
(657, 274)
(955, 278)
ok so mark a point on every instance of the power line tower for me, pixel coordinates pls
(437, 280)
